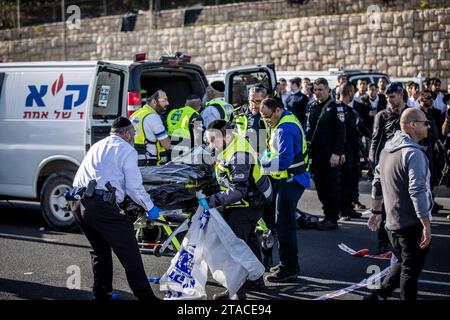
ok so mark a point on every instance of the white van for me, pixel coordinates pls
(52, 112)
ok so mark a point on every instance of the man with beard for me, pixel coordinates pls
(109, 172)
(151, 140)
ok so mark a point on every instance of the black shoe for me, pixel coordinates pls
(224, 295)
(255, 285)
(359, 206)
(283, 275)
(383, 247)
(327, 225)
(353, 214)
(373, 296)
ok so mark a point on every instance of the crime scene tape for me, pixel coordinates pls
(364, 253)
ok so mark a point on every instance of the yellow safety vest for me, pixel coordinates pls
(241, 122)
(178, 122)
(301, 160)
(223, 171)
(140, 140)
(225, 109)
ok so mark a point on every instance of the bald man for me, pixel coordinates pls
(402, 182)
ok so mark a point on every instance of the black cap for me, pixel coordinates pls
(394, 87)
(120, 122)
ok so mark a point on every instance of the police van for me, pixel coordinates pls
(52, 112)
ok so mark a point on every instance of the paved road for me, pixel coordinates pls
(34, 262)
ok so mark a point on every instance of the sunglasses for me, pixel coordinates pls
(267, 117)
(426, 122)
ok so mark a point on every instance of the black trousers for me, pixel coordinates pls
(327, 182)
(105, 228)
(243, 222)
(405, 273)
(383, 237)
(349, 179)
(269, 216)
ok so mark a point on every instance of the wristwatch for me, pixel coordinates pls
(375, 211)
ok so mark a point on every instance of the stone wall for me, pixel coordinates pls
(236, 12)
(282, 9)
(407, 41)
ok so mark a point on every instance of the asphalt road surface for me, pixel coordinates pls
(37, 263)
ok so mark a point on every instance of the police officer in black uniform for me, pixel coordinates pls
(326, 133)
(350, 170)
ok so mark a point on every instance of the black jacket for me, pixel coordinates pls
(326, 129)
(297, 103)
(364, 107)
(386, 123)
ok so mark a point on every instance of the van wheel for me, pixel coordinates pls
(55, 208)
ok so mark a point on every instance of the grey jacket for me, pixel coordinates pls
(402, 180)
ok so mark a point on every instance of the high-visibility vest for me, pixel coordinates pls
(223, 171)
(178, 122)
(301, 160)
(225, 109)
(141, 141)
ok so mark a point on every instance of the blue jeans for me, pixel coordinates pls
(287, 196)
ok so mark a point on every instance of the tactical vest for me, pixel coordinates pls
(301, 160)
(178, 122)
(225, 109)
(141, 141)
(223, 171)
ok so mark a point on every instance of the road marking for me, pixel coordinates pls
(440, 235)
(27, 237)
(437, 272)
(438, 283)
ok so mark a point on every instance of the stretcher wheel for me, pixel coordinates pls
(267, 240)
(157, 251)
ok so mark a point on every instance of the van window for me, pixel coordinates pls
(108, 95)
(242, 84)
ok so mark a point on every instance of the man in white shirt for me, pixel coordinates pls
(110, 164)
(438, 102)
(151, 140)
(413, 100)
(362, 88)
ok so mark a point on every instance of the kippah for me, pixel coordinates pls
(218, 85)
(120, 122)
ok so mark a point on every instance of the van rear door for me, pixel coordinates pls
(238, 82)
(107, 100)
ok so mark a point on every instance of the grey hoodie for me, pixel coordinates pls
(402, 180)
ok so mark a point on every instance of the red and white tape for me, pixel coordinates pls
(365, 282)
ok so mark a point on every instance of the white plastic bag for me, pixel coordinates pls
(209, 242)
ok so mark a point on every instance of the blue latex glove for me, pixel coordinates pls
(153, 213)
(266, 157)
(203, 203)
